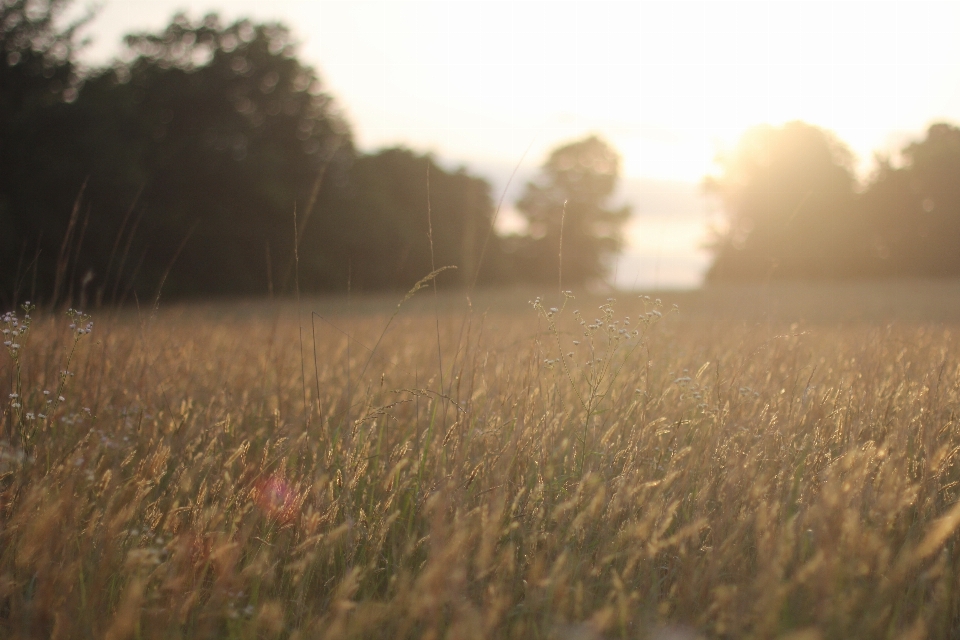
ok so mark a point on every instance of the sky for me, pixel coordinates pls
(671, 85)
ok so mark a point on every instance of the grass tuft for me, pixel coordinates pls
(621, 472)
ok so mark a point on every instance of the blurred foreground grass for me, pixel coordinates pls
(765, 462)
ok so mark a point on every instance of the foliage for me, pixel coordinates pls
(38, 77)
(181, 168)
(795, 211)
(36, 66)
(564, 480)
(401, 216)
(914, 210)
(788, 193)
(188, 160)
(216, 133)
(568, 202)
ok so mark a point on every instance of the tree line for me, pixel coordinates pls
(210, 160)
(795, 210)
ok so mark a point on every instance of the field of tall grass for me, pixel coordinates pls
(570, 468)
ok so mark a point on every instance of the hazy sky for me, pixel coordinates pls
(669, 84)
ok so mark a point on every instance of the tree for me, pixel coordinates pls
(37, 68)
(914, 210)
(38, 79)
(400, 216)
(225, 132)
(788, 194)
(569, 201)
(192, 157)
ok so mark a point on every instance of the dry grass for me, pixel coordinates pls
(723, 479)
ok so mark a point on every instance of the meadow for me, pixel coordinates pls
(756, 462)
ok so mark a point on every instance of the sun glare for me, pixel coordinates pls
(670, 84)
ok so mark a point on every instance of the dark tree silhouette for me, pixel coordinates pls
(36, 58)
(222, 132)
(789, 197)
(379, 233)
(38, 78)
(190, 158)
(572, 193)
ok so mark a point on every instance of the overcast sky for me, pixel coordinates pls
(669, 84)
